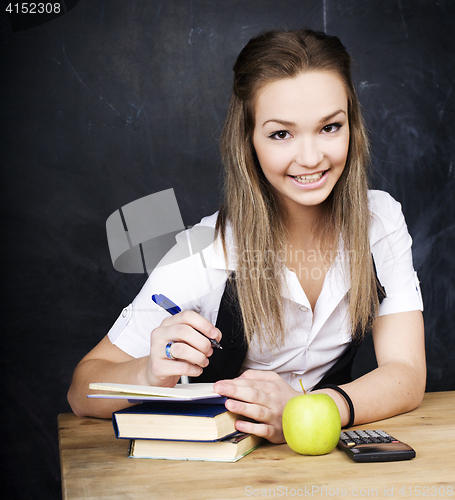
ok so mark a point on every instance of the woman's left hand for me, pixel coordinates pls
(261, 396)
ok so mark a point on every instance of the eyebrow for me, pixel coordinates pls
(292, 124)
(328, 117)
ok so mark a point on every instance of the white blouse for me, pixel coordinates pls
(315, 339)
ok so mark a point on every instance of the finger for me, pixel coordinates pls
(266, 376)
(185, 352)
(180, 333)
(242, 390)
(266, 431)
(238, 382)
(249, 410)
(196, 321)
(264, 422)
(165, 368)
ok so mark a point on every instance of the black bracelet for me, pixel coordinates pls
(348, 401)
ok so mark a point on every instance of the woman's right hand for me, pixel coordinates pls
(108, 363)
(190, 349)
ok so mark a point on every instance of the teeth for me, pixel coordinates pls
(308, 178)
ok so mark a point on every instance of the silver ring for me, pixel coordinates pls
(168, 351)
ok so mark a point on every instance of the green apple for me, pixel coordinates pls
(311, 424)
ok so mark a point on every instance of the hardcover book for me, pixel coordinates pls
(230, 449)
(174, 421)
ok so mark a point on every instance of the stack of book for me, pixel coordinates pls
(188, 422)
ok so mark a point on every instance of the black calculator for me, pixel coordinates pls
(374, 446)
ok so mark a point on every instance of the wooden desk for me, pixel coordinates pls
(95, 465)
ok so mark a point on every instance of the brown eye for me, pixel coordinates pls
(281, 134)
(333, 127)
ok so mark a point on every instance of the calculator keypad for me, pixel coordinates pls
(353, 438)
(374, 446)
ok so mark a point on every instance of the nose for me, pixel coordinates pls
(308, 153)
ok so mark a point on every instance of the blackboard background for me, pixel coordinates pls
(116, 100)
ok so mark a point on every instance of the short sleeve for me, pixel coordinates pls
(391, 246)
(190, 281)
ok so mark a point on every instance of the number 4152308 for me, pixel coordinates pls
(34, 8)
(427, 491)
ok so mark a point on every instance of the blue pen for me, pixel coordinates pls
(173, 309)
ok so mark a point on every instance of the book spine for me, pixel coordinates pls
(115, 425)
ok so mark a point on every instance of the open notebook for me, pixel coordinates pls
(138, 393)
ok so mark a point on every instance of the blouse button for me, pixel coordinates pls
(303, 308)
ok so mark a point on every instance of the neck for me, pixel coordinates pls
(302, 222)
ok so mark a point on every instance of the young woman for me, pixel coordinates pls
(306, 261)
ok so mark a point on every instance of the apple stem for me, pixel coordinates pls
(301, 385)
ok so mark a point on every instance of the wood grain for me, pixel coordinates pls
(94, 465)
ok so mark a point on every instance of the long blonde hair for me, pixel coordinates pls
(250, 205)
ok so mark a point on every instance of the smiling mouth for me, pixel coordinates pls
(307, 179)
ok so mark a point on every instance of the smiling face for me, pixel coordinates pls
(301, 137)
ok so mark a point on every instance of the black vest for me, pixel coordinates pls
(226, 363)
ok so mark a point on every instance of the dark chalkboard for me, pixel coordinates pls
(116, 100)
